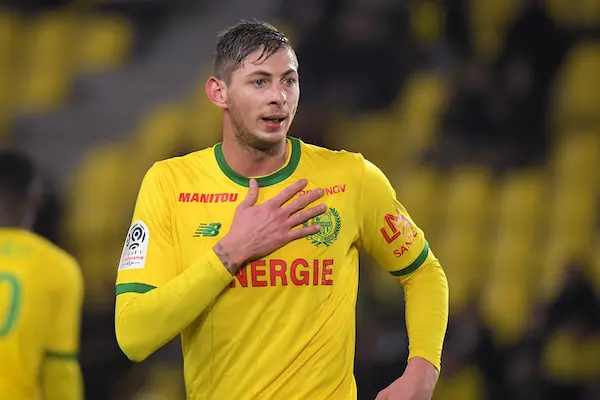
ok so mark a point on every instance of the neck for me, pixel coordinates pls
(254, 162)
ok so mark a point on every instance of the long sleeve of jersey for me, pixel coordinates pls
(156, 298)
(389, 234)
(61, 375)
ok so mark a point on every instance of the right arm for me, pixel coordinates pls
(148, 317)
(154, 304)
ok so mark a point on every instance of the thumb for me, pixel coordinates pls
(252, 194)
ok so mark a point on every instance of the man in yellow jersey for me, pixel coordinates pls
(41, 295)
(260, 276)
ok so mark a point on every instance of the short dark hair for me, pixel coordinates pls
(17, 176)
(235, 43)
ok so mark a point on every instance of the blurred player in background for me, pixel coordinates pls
(260, 276)
(41, 295)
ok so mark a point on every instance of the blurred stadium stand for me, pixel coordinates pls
(484, 114)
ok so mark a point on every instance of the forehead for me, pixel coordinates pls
(279, 62)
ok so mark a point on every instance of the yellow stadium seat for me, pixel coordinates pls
(570, 233)
(506, 307)
(95, 193)
(10, 26)
(373, 136)
(520, 212)
(488, 20)
(11, 31)
(469, 198)
(573, 215)
(202, 118)
(575, 14)
(6, 101)
(462, 245)
(427, 21)
(577, 101)
(104, 43)
(557, 252)
(462, 255)
(421, 192)
(11, 34)
(99, 263)
(577, 157)
(160, 135)
(418, 110)
(561, 11)
(47, 69)
(570, 359)
(512, 255)
(96, 220)
(520, 203)
(554, 258)
(595, 270)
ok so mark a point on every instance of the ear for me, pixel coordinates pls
(216, 90)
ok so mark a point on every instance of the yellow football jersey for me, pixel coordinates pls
(41, 295)
(285, 326)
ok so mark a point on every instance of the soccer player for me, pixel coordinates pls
(41, 295)
(249, 249)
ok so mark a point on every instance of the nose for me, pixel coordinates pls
(278, 96)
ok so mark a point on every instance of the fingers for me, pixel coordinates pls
(303, 232)
(251, 196)
(303, 201)
(382, 395)
(286, 194)
(303, 216)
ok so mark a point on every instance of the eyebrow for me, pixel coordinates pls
(268, 74)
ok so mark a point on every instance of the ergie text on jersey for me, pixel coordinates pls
(278, 272)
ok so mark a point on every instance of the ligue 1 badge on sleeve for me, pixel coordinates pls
(136, 247)
(330, 222)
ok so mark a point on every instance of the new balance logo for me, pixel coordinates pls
(208, 230)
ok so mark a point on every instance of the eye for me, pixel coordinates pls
(259, 82)
(290, 81)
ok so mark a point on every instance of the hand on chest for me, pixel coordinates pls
(202, 219)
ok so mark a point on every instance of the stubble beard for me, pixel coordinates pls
(250, 140)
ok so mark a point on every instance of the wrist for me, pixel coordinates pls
(423, 371)
(230, 254)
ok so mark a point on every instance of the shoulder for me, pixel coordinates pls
(49, 250)
(60, 264)
(351, 166)
(180, 164)
(341, 158)
(163, 175)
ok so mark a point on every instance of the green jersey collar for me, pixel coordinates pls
(263, 181)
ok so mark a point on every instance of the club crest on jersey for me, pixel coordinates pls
(330, 222)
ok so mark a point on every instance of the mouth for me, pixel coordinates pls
(274, 123)
(274, 119)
